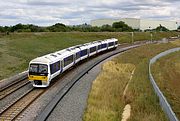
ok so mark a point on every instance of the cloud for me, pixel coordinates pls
(48, 12)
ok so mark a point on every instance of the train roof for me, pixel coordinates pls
(49, 58)
(59, 55)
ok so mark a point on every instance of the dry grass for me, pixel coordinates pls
(105, 100)
(166, 72)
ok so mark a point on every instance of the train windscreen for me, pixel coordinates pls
(38, 69)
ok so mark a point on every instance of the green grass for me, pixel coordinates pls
(105, 100)
(166, 72)
(17, 49)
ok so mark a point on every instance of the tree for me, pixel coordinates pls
(2, 29)
(161, 28)
(121, 26)
(17, 27)
(58, 27)
(107, 27)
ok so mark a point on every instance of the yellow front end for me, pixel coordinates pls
(39, 81)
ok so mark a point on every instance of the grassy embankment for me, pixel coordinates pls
(16, 50)
(166, 72)
(106, 100)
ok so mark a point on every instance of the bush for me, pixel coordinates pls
(121, 26)
(161, 28)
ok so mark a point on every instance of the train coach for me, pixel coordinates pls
(43, 69)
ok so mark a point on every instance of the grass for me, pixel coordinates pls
(166, 72)
(17, 49)
(105, 100)
(106, 92)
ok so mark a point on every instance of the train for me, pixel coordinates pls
(45, 68)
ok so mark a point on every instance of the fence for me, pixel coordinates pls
(163, 102)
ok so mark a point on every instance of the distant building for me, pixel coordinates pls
(142, 24)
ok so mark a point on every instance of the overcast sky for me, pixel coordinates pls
(70, 12)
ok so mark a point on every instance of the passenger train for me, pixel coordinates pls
(43, 69)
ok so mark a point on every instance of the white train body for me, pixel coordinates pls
(43, 69)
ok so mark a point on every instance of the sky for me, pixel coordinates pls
(74, 12)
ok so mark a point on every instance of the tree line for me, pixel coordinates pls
(59, 27)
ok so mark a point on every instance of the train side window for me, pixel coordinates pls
(52, 68)
(103, 45)
(99, 47)
(83, 52)
(111, 44)
(68, 60)
(61, 64)
(92, 49)
(78, 55)
(55, 67)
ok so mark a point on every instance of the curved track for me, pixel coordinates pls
(52, 105)
(15, 108)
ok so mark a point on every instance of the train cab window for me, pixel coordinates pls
(83, 52)
(33, 68)
(68, 60)
(38, 69)
(43, 69)
(116, 42)
(92, 49)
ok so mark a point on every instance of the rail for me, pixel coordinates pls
(6, 83)
(163, 102)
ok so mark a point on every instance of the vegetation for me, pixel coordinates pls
(166, 72)
(107, 91)
(160, 28)
(59, 27)
(106, 100)
(17, 49)
(121, 26)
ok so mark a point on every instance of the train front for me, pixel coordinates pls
(39, 74)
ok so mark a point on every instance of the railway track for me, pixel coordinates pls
(13, 87)
(15, 108)
(52, 105)
(12, 111)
